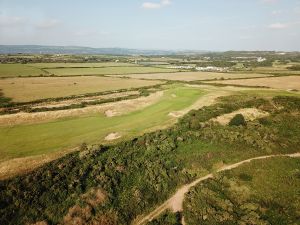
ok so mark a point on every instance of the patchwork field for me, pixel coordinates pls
(30, 89)
(80, 65)
(74, 69)
(286, 82)
(192, 76)
(107, 70)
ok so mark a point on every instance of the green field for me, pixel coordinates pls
(15, 70)
(80, 65)
(107, 70)
(68, 133)
(262, 192)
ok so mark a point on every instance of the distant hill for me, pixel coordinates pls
(40, 49)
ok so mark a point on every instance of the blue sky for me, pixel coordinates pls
(154, 24)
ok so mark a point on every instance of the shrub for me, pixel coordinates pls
(238, 120)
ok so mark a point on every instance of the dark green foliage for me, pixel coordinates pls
(245, 177)
(4, 101)
(295, 68)
(167, 219)
(238, 120)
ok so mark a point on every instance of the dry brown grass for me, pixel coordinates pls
(34, 88)
(284, 83)
(192, 76)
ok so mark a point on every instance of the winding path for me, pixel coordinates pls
(175, 203)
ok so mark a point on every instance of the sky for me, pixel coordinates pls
(215, 25)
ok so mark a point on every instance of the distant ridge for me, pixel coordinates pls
(41, 49)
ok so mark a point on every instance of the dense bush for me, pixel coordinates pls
(238, 120)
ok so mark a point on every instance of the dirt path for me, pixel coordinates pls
(175, 203)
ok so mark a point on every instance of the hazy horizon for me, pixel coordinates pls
(218, 25)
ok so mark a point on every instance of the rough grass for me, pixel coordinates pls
(192, 76)
(262, 192)
(30, 89)
(27, 140)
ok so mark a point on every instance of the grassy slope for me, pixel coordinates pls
(262, 192)
(35, 139)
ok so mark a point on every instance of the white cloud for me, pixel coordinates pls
(283, 25)
(269, 1)
(9, 21)
(48, 24)
(156, 5)
(279, 25)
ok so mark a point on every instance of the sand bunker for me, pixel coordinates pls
(112, 136)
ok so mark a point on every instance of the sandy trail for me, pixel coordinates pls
(175, 203)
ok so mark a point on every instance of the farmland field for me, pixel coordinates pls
(72, 69)
(14, 70)
(286, 82)
(80, 65)
(30, 89)
(193, 76)
(107, 70)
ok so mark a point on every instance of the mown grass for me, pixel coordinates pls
(262, 192)
(27, 140)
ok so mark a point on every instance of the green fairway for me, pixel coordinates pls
(27, 140)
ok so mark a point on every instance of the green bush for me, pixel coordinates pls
(238, 120)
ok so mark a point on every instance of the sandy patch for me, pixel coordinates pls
(110, 113)
(249, 114)
(115, 108)
(112, 136)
